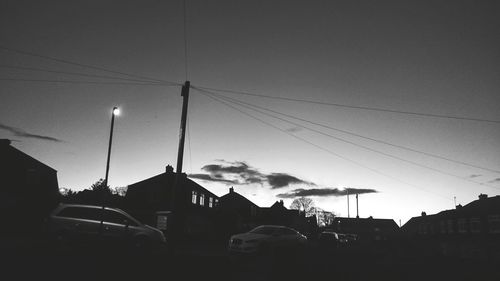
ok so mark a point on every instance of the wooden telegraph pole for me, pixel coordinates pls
(177, 193)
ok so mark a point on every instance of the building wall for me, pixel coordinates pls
(29, 190)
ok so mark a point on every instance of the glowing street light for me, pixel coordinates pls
(114, 112)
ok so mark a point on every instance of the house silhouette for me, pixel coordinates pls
(190, 204)
(29, 190)
(467, 231)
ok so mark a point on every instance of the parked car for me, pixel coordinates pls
(86, 223)
(265, 239)
(328, 240)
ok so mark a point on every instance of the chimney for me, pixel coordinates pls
(281, 203)
(169, 169)
(231, 189)
(483, 196)
(424, 214)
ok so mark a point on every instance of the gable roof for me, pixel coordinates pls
(235, 196)
(166, 180)
(15, 156)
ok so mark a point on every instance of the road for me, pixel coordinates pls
(209, 263)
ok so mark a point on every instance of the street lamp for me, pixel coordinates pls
(114, 112)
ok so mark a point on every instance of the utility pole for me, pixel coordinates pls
(348, 215)
(357, 208)
(182, 131)
(177, 193)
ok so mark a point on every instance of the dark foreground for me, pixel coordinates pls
(211, 262)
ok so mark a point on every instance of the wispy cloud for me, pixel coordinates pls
(241, 173)
(22, 133)
(474, 176)
(494, 180)
(324, 192)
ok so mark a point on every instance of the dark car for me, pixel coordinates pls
(71, 223)
(329, 240)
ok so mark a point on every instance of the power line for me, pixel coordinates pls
(353, 106)
(185, 39)
(365, 147)
(85, 65)
(208, 94)
(84, 82)
(368, 138)
(72, 73)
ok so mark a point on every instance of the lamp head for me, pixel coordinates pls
(116, 111)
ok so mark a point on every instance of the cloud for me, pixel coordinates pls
(241, 173)
(324, 192)
(238, 172)
(279, 180)
(21, 133)
(474, 176)
(495, 180)
(206, 177)
(240, 168)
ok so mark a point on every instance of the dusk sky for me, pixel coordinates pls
(323, 62)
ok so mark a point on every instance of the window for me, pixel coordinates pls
(494, 223)
(475, 225)
(81, 213)
(462, 225)
(216, 202)
(253, 211)
(450, 226)
(442, 225)
(210, 202)
(422, 228)
(194, 196)
(117, 218)
(267, 230)
(202, 199)
(430, 228)
(287, 231)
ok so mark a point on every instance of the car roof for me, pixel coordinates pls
(84, 206)
(274, 226)
(64, 206)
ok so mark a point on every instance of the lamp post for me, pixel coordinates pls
(114, 112)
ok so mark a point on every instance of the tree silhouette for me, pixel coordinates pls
(303, 204)
(100, 187)
(120, 190)
(306, 205)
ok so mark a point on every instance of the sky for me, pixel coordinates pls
(316, 65)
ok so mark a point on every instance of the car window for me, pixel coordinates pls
(118, 218)
(263, 230)
(288, 231)
(81, 213)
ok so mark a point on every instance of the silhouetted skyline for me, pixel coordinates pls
(433, 57)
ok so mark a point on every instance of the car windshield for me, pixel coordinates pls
(263, 230)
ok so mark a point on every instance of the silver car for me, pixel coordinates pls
(75, 223)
